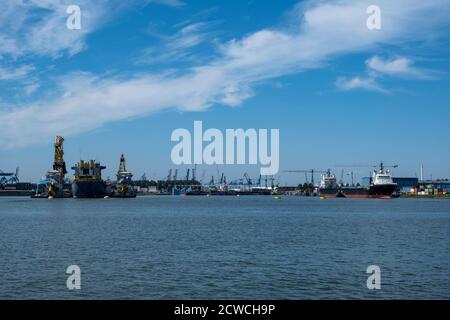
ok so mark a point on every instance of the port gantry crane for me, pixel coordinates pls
(9, 177)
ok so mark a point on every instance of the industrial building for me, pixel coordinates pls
(404, 185)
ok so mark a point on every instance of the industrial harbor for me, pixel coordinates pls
(87, 182)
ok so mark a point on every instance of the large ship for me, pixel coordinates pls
(123, 188)
(88, 181)
(381, 186)
(11, 186)
(54, 184)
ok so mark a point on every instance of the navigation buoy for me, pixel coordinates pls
(50, 197)
(277, 197)
(322, 198)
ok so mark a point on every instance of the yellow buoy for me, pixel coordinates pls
(50, 197)
(322, 198)
(277, 197)
(106, 197)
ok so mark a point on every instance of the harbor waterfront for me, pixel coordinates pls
(87, 182)
(253, 247)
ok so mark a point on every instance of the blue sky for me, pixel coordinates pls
(339, 92)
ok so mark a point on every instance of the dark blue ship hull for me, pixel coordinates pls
(89, 189)
(375, 191)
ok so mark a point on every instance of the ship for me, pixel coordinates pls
(381, 186)
(235, 188)
(88, 181)
(54, 184)
(123, 188)
(10, 186)
(17, 189)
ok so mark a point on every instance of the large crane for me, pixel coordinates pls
(194, 173)
(59, 164)
(248, 179)
(54, 179)
(311, 171)
(122, 172)
(381, 167)
(59, 168)
(259, 181)
(175, 175)
(124, 184)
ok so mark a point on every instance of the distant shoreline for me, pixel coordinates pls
(427, 196)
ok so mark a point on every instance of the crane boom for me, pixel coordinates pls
(312, 171)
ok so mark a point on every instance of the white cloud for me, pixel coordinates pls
(171, 3)
(15, 73)
(399, 67)
(178, 46)
(354, 83)
(31, 88)
(38, 27)
(320, 32)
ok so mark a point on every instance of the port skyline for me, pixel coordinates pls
(363, 105)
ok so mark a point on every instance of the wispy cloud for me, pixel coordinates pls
(320, 32)
(16, 73)
(399, 67)
(171, 3)
(378, 68)
(355, 83)
(38, 27)
(31, 88)
(178, 46)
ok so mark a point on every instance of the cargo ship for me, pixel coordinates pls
(88, 181)
(381, 186)
(10, 186)
(17, 189)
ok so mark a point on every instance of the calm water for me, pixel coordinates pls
(224, 248)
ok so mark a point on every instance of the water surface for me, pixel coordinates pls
(224, 248)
